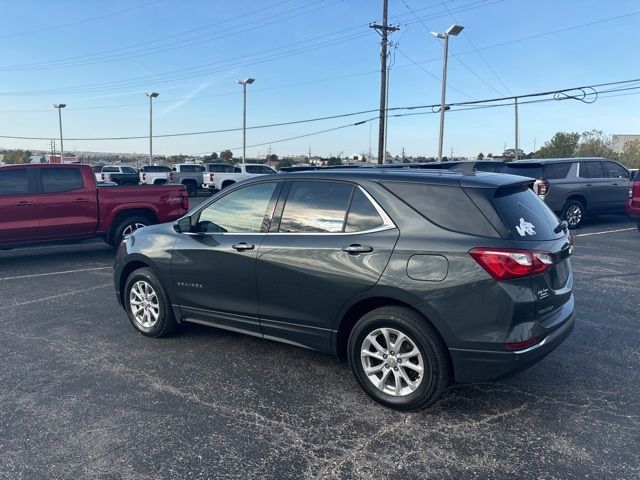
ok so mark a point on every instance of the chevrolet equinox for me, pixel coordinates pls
(418, 278)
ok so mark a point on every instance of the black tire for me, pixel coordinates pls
(226, 184)
(118, 230)
(192, 189)
(573, 212)
(437, 369)
(166, 321)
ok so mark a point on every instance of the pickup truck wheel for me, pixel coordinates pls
(126, 227)
(147, 304)
(192, 189)
(226, 184)
(398, 358)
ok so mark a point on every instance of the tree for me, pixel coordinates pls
(272, 157)
(334, 161)
(631, 154)
(561, 145)
(226, 155)
(481, 156)
(285, 162)
(213, 156)
(595, 143)
(17, 156)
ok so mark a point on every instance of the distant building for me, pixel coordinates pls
(65, 159)
(618, 141)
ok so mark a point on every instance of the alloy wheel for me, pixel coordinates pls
(129, 229)
(392, 362)
(573, 216)
(145, 306)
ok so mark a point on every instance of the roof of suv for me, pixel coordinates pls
(558, 160)
(444, 177)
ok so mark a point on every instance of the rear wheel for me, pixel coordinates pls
(192, 189)
(226, 184)
(147, 304)
(398, 359)
(126, 227)
(573, 212)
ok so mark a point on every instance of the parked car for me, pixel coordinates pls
(189, 175)
(222, 175)
(154, 175)
(42, 203)
(577, 187)
(417, 278)
(633, 202)
(118, 174)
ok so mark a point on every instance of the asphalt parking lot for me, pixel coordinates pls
(83, 396)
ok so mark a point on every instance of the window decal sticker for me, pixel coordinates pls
(525, 228)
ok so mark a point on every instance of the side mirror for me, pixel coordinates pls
(183, 225)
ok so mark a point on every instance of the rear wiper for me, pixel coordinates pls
(563, 225)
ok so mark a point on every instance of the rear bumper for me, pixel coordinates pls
(633, 210)
(484, 365)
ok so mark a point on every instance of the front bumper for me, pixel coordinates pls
(484, 365)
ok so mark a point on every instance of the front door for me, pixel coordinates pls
(332, 243)
(18, 206)
(214, 267)
(618, 189)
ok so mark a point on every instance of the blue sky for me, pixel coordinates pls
(310, 59)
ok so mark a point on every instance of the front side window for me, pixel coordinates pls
(316, 207)
(591, 170)
(14, 181)
(241, 211)
(129, 170)
(61, 179)
(614, 170)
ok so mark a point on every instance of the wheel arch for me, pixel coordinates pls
(577, 196)
(132, 212)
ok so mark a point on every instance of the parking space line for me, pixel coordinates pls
(51, 297)
(56, 273)
(605, 231)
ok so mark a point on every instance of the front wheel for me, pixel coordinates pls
(573, 212)
(126, 227)
(398, 359)
(147, 304)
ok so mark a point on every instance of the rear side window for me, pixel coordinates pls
(61, 179)
(362, 214)
(556, 170)
(259, 169)
(110, 170)
(525, 215)
(445, 205)
(613, 170)
(591, 170)
(14, 181)
(533, 170)
(316, 207)
(190, 168)
(220, 168)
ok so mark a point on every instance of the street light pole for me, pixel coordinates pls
(60, 106)
(244, 83)
(452, 30)
(151, 96)
(516, 155)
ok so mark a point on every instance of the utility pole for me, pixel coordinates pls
(151, 96)
(383, 30)
(515, 157)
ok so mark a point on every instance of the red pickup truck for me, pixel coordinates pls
(43, 203)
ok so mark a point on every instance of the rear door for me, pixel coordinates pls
(67, 205)
(618, 188)
(18, 205)
(328, 243)
(597, 186)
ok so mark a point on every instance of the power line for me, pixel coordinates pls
(571, 93)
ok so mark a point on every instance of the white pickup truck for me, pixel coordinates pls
(155, 175)
(217, 176)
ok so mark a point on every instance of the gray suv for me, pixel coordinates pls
(575, 187)
(418, 278)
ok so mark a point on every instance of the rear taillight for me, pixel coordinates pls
(506, 263)
(634, 189)
(102, 176)
(541, 187)
(211, 177)
(171, 177)
(185, 201)
(110, 177)
(522, 345)
(144, 176)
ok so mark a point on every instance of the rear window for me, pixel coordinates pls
(155, 169)
(61, 179)
(14, 181)
(190, 168)
(533, 170)
(129, 170)
(445, 205)
(220, 168)
(525, 215)
(110, 170)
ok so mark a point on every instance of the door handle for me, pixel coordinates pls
(80, 200)
(587, 184)
(23, 203)
(242, 246)
(357, 249)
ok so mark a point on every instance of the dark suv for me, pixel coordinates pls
(575, 187)
(417, 277)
